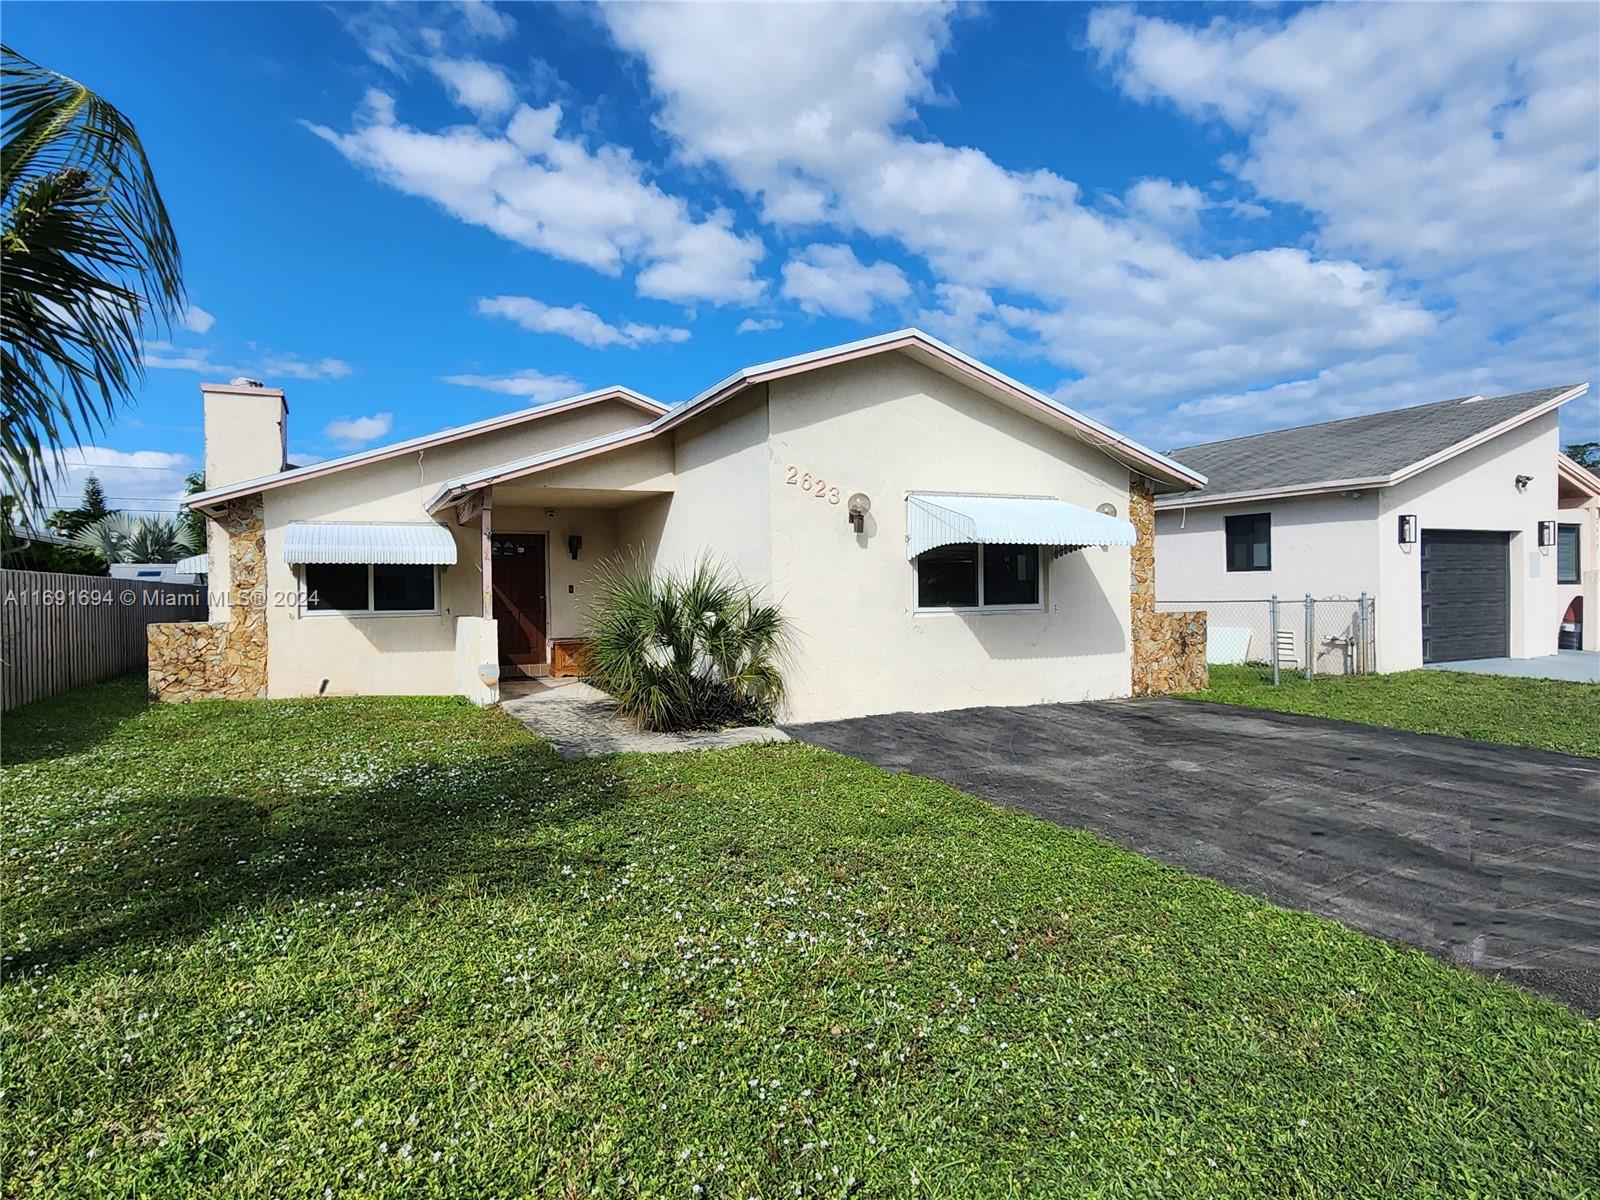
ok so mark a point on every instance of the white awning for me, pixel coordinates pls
(934, 520)
(423, 543)
(195, 564)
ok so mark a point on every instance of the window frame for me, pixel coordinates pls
(1228, 540)
(369, 612)
(1563, 529)
(1038, 606)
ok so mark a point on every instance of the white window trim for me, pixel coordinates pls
(368, 613)
(920, 609)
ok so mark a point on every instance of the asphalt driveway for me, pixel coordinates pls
(1485, 855)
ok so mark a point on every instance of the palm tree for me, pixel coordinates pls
(87, 259)
(117, 537)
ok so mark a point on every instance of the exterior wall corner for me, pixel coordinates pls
(1169, 648)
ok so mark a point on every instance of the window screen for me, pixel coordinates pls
(1568, 568)
(1010, 575)
(331, 586)
(948, 577)
(1250, 542)
(402, 588)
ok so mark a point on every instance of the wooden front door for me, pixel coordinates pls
(520, 602)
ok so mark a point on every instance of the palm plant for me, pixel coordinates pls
(686, 651)
(119, 538)
(87, 258)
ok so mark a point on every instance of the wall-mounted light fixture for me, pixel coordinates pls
(1523, 481)
(1547, 534)
(859, 506)
(1408, 528)
(574, 543)
(1107, 509)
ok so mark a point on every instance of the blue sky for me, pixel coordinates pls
(1188, 221)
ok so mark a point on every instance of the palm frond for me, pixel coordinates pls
(88, 259)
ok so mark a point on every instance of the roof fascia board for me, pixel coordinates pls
(426, 442)
(452, 490)
(1578, 475)
(1202, 499)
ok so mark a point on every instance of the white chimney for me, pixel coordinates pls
(247, 431)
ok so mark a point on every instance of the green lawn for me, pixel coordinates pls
(398, 948)
(1543, 713)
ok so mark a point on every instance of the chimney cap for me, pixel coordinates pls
(245, 381)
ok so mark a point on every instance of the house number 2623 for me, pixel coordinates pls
(816, 485)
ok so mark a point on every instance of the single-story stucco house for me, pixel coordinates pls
(1472, 533)
(938, 535)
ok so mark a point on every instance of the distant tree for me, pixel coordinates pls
(93, 506)
(119, 538)
(194, 482)
(87, 260)
(1585, 454)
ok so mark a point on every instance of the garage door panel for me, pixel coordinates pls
(1466, 595)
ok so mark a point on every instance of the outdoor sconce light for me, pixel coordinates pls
(1523, 481)
(574, 543)
(859, 506)
(1106, 510)
(1408, 529)
(1547, 534)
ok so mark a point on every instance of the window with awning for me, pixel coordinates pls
(369, 567)
(944, 519)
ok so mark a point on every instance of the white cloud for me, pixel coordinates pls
(354, 432)
(1408, 113)
(531, 185)
(138, 481)
(578, 322)
(475, 84)
(832, 280)
(265, 365)
(197, 319)
(759, 325)
(811, 127)
(1455, 147)
(530, 384)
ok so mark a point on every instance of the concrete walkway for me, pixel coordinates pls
(1574, 666)
(1483, 855)
(581, 721)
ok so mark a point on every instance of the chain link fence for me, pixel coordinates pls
(1281, 637)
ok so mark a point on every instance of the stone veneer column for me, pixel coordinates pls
(227, 659)
(1169, 649)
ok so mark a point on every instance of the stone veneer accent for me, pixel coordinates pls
(1169, 649)
(221, 660)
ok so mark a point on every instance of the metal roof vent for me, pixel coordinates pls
(244, 381)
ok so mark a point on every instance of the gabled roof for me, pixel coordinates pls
(265, 483)
(913, 341)
(1376, 450)
(1578, 475)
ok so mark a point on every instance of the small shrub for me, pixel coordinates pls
(686, 651)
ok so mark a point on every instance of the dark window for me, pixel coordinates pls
(402, 589)
(1568, 566)
(969, 576)
(1010, 575)
(336, 586)
(948, 577)
(1250, 542)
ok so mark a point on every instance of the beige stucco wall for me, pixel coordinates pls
(337, 654)
(1475, 490)
(887, 426)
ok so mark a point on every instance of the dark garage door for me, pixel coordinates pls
(1466, 595)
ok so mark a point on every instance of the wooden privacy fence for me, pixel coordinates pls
(60, 631)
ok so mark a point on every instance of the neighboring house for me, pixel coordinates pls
(177, 572)
(938, 535)
(1578, 556)
(1446, 514)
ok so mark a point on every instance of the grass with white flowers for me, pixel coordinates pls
(395, 947)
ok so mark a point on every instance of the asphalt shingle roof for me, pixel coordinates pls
(1376, 445)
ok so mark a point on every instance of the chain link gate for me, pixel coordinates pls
(1281, 637)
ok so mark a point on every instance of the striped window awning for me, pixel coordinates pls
(418, 544)
(942, 519)
(195, 564)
